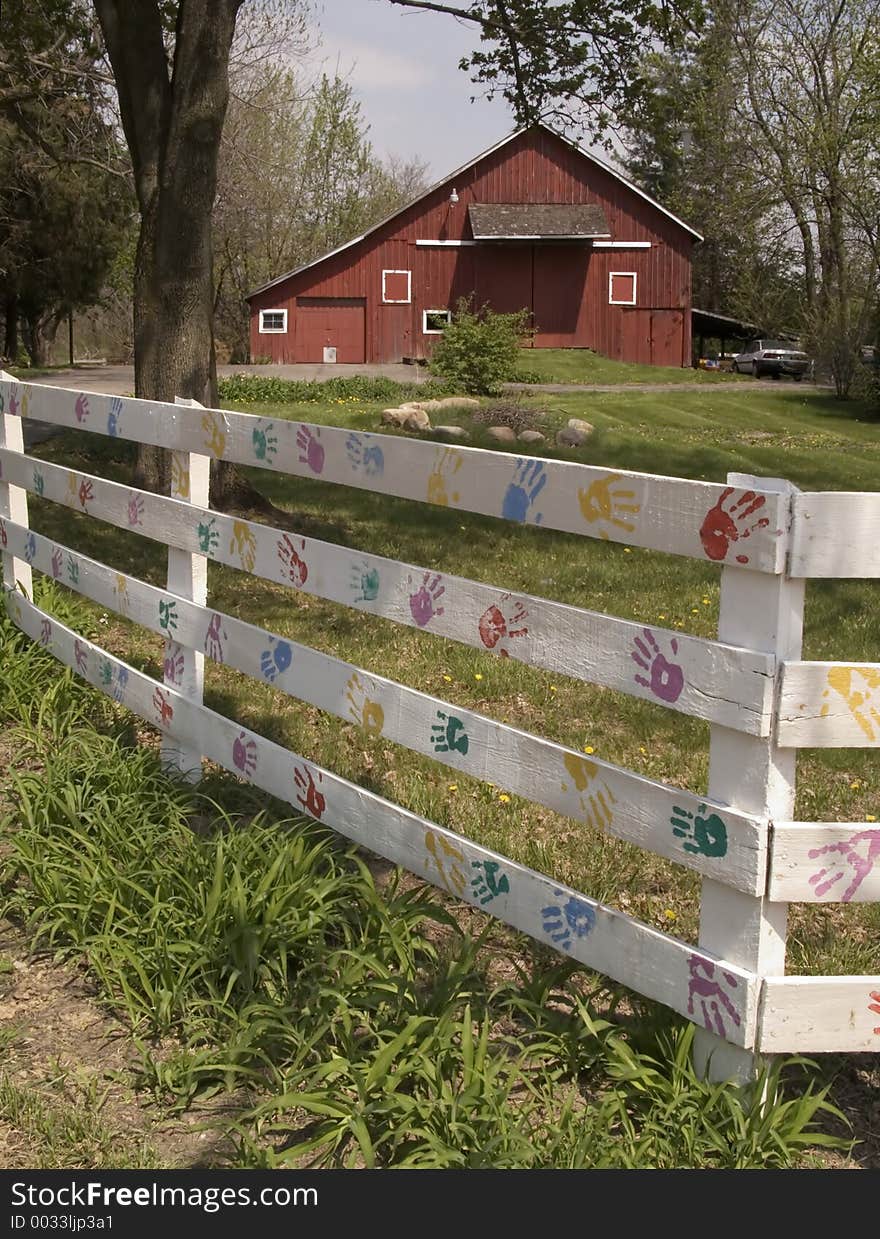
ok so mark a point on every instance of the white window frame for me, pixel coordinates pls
(434, 331)
(273, 331)
(633, 276)
(392, 300)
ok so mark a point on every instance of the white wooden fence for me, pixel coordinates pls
(760, 699)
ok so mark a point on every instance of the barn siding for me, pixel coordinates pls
(567, 285)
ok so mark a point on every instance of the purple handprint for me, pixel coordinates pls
(423, 603)
(710, 992)
(45, 632)
(81, 408)
(311, 451)
(244, 754)
(13, 404)
(81, 655)
(856, 859)
(214, 638)
(57, 560)
(135, 510)
(172, 667)
(667, 678)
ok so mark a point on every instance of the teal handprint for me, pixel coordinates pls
(487, 883)
(449, 734)
(208, 537)
(364, 582)
(167, 616)
(265, 443)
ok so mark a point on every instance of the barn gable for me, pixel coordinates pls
(534, 222)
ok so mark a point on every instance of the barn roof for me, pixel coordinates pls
(452, 176)
(536, 221)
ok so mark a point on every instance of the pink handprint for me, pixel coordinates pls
(667, 678)
(86, 493)
(13, 404)
(172, 667)
(856, 860)
(45, 632)
(56, 563)
(498, 624)
(164, 708)
(423, 603)
(135, 509)
(81, 408)
(293, 567)
(244, 754)
(313, 802)
(311, 451)
(81, 656)
(214, 638)
(721, 525)
(710, 992)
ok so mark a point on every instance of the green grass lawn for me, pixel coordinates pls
(582, 365)
(793, 432)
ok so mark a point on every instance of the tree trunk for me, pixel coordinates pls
(10, 328)
(39, 338)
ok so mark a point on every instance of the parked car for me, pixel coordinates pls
(773, 357)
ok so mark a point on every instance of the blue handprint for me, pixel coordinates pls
(113, 417)
(120, 685)
(30, 548)
(277, 658)
(529, 479)
(573, 917)
(365, 457)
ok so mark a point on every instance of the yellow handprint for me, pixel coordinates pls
(448, 464)
(244, 544)
(72, 489)
(366, 713)
(120, 588)
(179, 477)
(215, 434)
(597, 800)
(455, 881)
(600, 503)
(860, 704)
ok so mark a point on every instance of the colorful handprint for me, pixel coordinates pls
(447, 463)
(487, 883)
(4, 536)
(208, 537)
(163, 707)
(875, 1005)
(666, 678)
(364, 456)
(609, 504)
(243, 544)
(293, 566)
(849, 861)
(703, 836)
(276, 659)
(364, 711)
(709, 984)
(244, 754)
(448, 860)
(113, 416)
(307, 793)
(560, 921)
(120, 589)
(72, 569)
(501, 624)
(39, 482)
(121, 684)
(448, 734)
(81, 408)
(214, 429)
(30, 548)
(105, 673)
(529, 479)
(57, 562)
(364, 582)
(45, 632)
(173, 664)
(860, 701)
(215, 635)
(180, 479)
(135, 509)
(725, 525)
(86, 493)
(167, 615)
(311, 450)
(423, 601)
(265, 443)
(81, 657)
(597, 800)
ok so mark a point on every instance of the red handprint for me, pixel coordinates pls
(722, 526)
(81, 408)
(311, 451)
(86, 493)
(859, 853)
(498, 623)
(164, 708)
(875, 1005)
(294, 568)
(313, 802)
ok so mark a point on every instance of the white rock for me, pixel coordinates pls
(457, 402)
(575, 423)
(451, 432)
(531, 436)
(417, 419)
(501, 434)
(569, 436)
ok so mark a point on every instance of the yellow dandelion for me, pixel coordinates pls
(447, 679)
(856, 784)
(642, 749)
(661, 617)
(695, 610)
(504, 798)
(627, 550)
(478, 676)
(453, 787)
(552, 688)
(869, 817)
(706, 602)
(670, 915)
(589, 748)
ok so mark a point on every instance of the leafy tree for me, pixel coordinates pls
(479, 350)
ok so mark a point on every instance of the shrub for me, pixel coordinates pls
(479, 350)
(258, 389)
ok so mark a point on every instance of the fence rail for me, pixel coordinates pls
(761, 700)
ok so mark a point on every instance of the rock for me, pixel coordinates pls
(571, 437)
(501, 434)
(531, 436)
(575, 423)
(422, 406)
(452, 432)
(457, 402)
(394, 417)
(417, 419)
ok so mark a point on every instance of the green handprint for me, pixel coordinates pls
(486, 882)
(445, 735)
(364, 582)
(167, 615)
(208, 538)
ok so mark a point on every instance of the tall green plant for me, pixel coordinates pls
(479, 350)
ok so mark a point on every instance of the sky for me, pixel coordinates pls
(403, 67)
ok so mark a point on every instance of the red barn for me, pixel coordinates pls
(534, 222)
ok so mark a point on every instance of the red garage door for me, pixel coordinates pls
(330, 322)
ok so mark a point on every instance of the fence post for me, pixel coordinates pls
(760, 612)
(184, 668)
(17, 574)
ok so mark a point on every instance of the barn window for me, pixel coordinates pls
(622, 288)
(272, 321)
(396, 287)
(434, 322)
